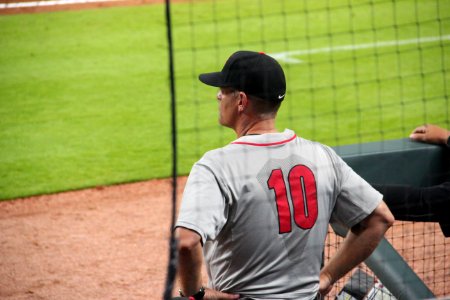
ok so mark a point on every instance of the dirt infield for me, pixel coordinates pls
(75, 6)
(102, 243)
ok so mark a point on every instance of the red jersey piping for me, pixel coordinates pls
(266, 144)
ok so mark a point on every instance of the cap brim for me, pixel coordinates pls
(213, 79)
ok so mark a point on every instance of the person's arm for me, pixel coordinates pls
(359, 243)
(430, 133)
(419, 204)
(190, 260)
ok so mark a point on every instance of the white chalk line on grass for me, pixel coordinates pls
(49, 3)
(288, 56)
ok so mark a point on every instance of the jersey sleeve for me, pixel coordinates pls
(203, 207)
(356, 197)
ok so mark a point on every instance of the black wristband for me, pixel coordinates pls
(448, 141)
(197, 296)
(200, 294)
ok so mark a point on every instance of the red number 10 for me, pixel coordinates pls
(303, 194)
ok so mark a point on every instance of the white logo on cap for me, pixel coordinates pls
(281, 96)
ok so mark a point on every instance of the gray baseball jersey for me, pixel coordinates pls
(262, 206)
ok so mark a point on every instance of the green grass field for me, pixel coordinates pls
(84, 97)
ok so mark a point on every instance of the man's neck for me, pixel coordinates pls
(256, 127)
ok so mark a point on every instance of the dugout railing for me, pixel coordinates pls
(397, 162)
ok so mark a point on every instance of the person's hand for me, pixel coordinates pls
(216, 295)
(325, 283)
(430, 133)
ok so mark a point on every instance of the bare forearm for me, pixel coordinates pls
(355, 249)
(190, 259)
(359, 243)
(189, 264)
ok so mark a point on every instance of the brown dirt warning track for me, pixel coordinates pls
(72, 6)
(101, 243)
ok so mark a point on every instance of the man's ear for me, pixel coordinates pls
(243, 102)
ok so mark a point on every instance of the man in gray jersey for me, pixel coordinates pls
(257, 210)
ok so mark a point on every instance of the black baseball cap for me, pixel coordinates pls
(254, 73)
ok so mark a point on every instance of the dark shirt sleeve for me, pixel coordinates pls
(421, 204)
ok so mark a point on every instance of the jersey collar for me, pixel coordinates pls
(267, 139)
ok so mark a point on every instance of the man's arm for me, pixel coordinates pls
(190, 260)
(359, 243)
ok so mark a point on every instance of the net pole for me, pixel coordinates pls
(172, 265)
